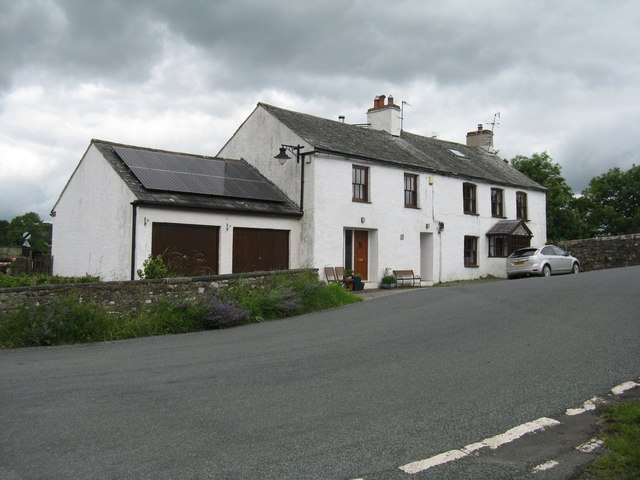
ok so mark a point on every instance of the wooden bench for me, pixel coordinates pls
(406, 276)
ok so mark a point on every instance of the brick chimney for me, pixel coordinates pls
(384, 116)
(482, 138)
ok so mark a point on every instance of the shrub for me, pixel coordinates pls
(153, 267)
(165, 317)
(67, 321)
(223, 314)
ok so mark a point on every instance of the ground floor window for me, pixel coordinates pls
(470, 251)
(499, 246)
(505, 245)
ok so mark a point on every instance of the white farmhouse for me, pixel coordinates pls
(372, 199)
(378, 199)
(205, 215)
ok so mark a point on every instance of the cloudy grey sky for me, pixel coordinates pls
(183, 75)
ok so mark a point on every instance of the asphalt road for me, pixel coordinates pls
(354, 392)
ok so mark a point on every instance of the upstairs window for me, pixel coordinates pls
(360, 182)
(410, 190)
(469, 198)
(521, 206)
(497, 202)
(470, 251)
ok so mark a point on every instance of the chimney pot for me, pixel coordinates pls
(390, 101)
(341, 118)
(479, 127)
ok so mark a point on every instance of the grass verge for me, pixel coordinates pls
(70, 320)
(621, 435)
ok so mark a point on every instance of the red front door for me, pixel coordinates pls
(361, 253)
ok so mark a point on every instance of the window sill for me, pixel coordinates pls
(472, 213)
(471, 266)
(360, 201)
(498, 216)
(412, 207)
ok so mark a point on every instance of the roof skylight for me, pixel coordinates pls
(457, 153)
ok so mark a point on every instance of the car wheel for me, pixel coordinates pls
(576, 268)
(546, 271)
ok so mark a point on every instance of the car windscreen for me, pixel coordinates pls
(525, 252)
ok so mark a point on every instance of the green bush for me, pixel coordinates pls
(285, 295)
(67, 321)
(153, 267)
(163, 318)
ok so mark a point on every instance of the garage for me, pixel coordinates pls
(188, 250)
(257, 249)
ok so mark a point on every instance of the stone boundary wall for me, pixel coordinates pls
(127, 296)
(605, 252)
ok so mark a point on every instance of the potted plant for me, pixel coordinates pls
(348, 279)
(387, 281)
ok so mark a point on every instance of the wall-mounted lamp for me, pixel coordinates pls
(402, 236)
(362, 219)
(427, 226)
(282, 158)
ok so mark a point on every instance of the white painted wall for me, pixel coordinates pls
(257, 141)
(398, 235)
(92, 226)
(226, 221)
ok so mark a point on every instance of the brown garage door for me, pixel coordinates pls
(257, 250)
(186, 249)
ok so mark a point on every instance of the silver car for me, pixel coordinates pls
(544, 261)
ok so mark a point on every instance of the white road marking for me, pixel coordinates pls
(519, 431)
(546, 466)
(590, 446)
(588, 405)
(623, 387)
(492, 443)
(515, 433)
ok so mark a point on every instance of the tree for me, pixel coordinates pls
(563, 219)
(611, 203)
(30, 222)
(4, 233)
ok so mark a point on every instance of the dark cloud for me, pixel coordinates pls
(75, 41)
(184, 74)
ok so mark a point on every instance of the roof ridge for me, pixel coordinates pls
(172, 152)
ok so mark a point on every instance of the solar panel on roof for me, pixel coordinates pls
(208, 176)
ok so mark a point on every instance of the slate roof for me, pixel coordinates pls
(507, 227)
(189, 200)
(408, 150)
